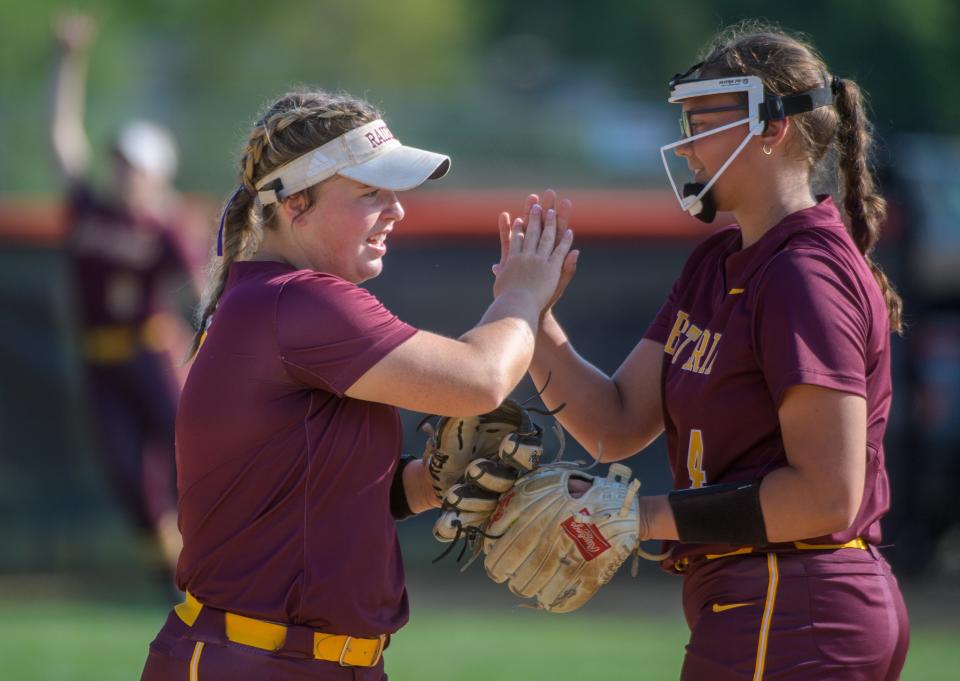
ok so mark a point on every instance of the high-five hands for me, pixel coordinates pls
(535, 250)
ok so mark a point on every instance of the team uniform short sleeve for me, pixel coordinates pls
(811, 325)
(331, 332)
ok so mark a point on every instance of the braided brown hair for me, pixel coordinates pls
(298, 122)
(833, 140)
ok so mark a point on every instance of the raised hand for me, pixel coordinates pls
(534, 257)
(74, 31)
(560, 220)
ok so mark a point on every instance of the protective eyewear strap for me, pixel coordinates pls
(775, 108)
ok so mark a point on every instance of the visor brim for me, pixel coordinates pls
(399, 169)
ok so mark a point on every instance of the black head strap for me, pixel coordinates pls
(682, 77)
(776, 108)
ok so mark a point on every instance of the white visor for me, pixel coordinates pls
(369, 154)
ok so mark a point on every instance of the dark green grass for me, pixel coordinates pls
(74, 638)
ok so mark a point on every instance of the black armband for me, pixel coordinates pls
(399, 506)
(720, 514)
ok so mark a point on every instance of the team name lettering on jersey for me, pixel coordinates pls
(702, 345)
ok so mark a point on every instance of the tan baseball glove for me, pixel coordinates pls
(559, 549)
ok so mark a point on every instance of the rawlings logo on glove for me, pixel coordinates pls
(585, 535)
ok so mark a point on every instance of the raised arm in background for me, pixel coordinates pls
(74, 34)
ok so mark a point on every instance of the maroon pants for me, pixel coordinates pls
(135, 405)
(202, 653)
(790, 616)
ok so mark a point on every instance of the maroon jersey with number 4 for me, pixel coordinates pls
(742, 325)
(284, 481)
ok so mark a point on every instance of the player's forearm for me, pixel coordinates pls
(593, 411)
(68, 136)
(793, 507)
(586, 392)
(796, 507)
(503, 343)
(418, 488)
(657, 517)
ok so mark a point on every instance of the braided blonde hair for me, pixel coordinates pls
(298, 122)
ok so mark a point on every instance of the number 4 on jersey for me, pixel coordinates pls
(698, 476)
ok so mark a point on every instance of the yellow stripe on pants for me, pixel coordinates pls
(195, 661)
(774, 571)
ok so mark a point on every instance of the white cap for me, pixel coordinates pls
(369, 154)
(149, 148)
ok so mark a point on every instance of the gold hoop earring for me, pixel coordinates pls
(766, 150)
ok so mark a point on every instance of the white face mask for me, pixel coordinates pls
(695, 197)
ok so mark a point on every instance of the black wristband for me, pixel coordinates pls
(720, 514)
(399, 506)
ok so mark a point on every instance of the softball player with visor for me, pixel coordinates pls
(289, 471)
(768, 367)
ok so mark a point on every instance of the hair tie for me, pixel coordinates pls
(835, 84)
(223, 219)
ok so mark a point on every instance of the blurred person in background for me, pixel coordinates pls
(289, 439)
(768, 366)
(129, 275)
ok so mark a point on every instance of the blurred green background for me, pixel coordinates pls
(532, 88)
(523, 94)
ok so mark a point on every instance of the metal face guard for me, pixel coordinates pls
(683, 89)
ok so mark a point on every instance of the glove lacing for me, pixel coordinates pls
(472, 537)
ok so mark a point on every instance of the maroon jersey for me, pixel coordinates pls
(284, 481)
(742, 325)
(118, 260)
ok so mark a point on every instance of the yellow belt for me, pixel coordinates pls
(348, 651)
(119, 343)
(110, 344)
(857, 543)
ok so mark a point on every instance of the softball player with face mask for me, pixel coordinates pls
(768, 367)
(288, 437)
